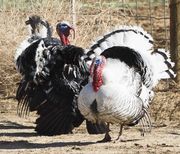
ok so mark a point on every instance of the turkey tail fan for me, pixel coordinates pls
(158, 63)
(140, 41)
(144, 120)
(54, 122)
(38, 27)
(58, 117)
(161, 58)
(96, 128)
(128, 36)
(145, 123)
(29, 96)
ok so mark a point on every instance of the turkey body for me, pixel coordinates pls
(61, 79)
(123, 73)
(119, 84)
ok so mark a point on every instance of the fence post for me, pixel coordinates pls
(73, 4)
(175, 35)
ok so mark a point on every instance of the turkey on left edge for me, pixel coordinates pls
(52, 75)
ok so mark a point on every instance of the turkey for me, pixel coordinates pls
(53, 73)
(125, 68)
(38, 29)
(28, 94)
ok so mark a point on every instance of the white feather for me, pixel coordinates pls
(122, 75)
(85, 99)
(116, 104)
(116, 96)
(129, 36)
(40, 30)
(160, 67)
(39, 56)
(146, 95)
(97, 51)
(21, 48)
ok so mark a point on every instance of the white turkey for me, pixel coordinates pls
(124, 70)
(53, 73)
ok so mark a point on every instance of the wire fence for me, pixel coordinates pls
(152, 15)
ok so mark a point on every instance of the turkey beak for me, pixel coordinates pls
(71, 28)
(27, 22)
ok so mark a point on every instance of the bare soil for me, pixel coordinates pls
(17, 134)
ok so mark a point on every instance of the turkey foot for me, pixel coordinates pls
(107, 138)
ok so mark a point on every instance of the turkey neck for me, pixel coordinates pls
(64, 39)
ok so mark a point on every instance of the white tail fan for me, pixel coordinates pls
(134, 37)
(129, 36)
(162, 65)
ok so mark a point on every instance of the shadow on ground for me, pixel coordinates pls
(24, 144)
(28, 145)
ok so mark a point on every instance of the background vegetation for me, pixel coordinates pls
(93, 18)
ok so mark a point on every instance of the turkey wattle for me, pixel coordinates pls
(124, 71)
(63, 29)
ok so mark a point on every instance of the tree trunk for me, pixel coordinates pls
(175, 35)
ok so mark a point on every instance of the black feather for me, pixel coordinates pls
(125, 54)
(26, 61)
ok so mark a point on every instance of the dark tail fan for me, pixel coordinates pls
(55, 122)
(37, 24)
(29, 97)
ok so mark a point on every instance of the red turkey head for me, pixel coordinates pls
(96, 72)
(63, 29)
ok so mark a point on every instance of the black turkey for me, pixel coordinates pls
(53, 73)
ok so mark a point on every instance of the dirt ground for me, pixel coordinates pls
(17, 134)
